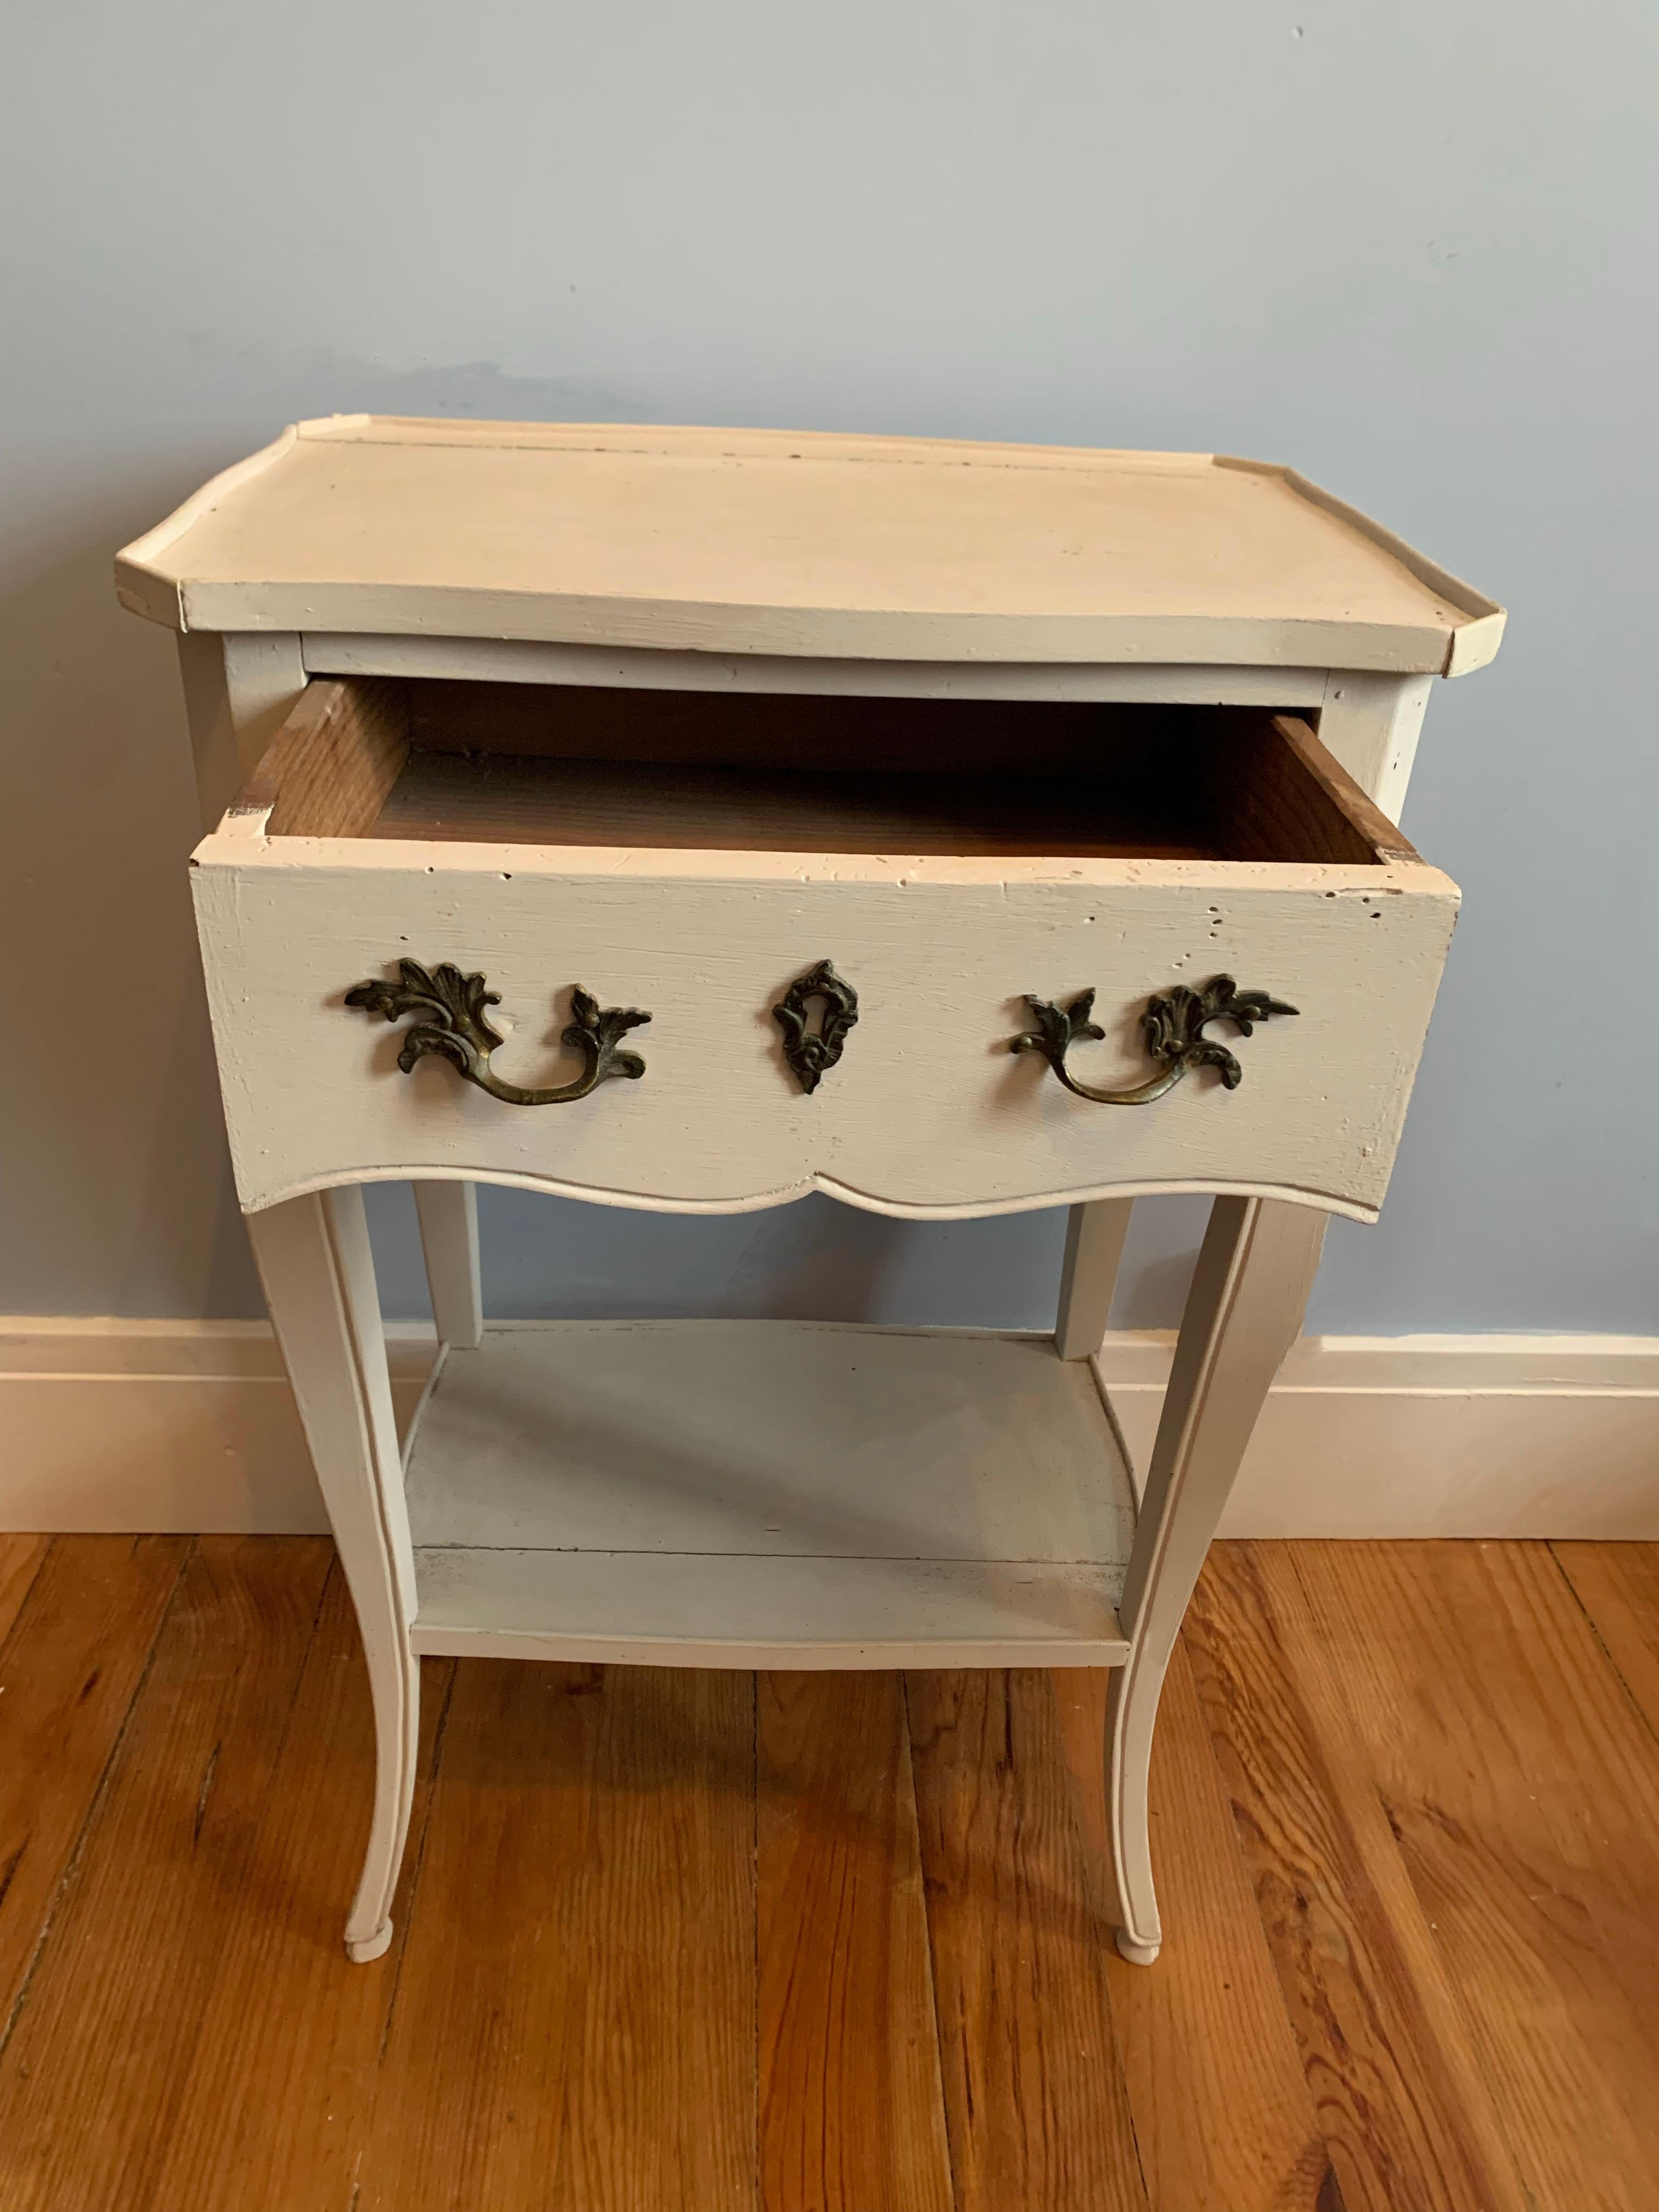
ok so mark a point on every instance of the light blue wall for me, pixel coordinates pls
(1410, 250)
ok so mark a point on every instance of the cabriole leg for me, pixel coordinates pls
(449, 1215)
(318, 1275)
(1094, 1250)
(1243, 1314)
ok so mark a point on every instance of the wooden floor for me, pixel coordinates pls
(696, 1940)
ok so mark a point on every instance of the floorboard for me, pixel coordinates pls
(163, 1859)
(1617, 1587)
(21, 1559)
(662, 2087)
(68, 1671)
(472, 2096)
(1037, 2111)
(1523, 1791)
(1400, 2097)
(828, 1942)
(852, 2111)
(276, 2106)
(1222, 2114)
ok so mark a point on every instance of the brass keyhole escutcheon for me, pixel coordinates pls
(812, 1053)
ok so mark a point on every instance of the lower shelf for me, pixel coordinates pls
(768, 1494)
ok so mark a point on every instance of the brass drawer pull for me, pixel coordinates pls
(1174, 1022)
(452, 1022)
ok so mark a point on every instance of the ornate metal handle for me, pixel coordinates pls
(452, 1023)
(1173, 1023)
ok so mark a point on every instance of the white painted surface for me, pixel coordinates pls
(238, 690)
(175, 1426)
(163, 1425)
(645, 668)
(318, 1277)
(1254, 1272)
(928, 1112)
(1095, 1237)
(1372, 724)
(658, 1610)
(776, 1439)
(448, 1214)
(756, 541)
(1453, 1436)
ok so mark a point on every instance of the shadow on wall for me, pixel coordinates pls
(559, 1259)
(119, 1200)
(556, 1258)
(117, 1197)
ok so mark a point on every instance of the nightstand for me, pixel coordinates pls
(690, 819)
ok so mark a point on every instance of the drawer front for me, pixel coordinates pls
(927, 1111)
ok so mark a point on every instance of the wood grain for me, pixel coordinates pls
(851, 2113)
(277, 2105)
(164, 1859)
(328, 769)
(1276, 793)
(1222, 2115)
(1400, 2097)
(662, 2087)
(475, 2094)
(637, 1970)
(512, 798)
(1618, 1586)
(575, 2015)
(21, 1560)
(1338, 792)
(1036, 2107)
(68, 1673)
(540, 765)
(1523, 1790)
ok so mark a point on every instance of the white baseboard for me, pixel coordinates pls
(164, 1427)
(1432, 1435)
(189, 1426)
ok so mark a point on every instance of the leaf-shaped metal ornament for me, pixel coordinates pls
(1174, 1022)
(448, 1012)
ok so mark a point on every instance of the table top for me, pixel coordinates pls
(798, 544)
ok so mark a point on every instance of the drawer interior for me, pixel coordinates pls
(422, 761)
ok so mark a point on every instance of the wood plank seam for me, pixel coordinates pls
(73, 1857)
(1402, 2102)
(1256, 2075)
(756, 2110)
(23, 1602)
(907, 1754)
(1606, 1649)
(419, 1863)
(1425, 1927)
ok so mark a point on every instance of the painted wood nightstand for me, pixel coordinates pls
(690, 819)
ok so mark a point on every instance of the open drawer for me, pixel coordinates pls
(504, 872)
